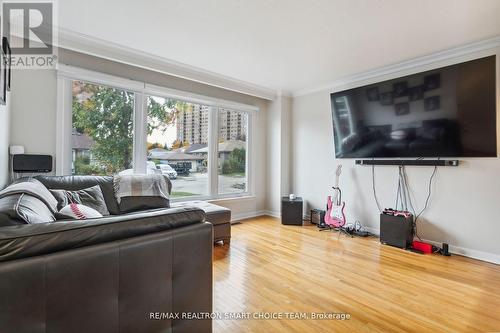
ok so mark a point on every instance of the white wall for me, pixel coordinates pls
(273, 158)
(465, 206)
(4, 142)
(286, 145)
(33, 103)
(278, 146)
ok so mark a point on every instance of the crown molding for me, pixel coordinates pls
(75, 41)
(78, 42)
(415, 64)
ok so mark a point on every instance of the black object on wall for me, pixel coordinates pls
(409, 162)
(291, 211)
(446, 112)
(396, 230)
(32, 163)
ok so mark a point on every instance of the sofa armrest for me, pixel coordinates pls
(29, 240)
(192, 282)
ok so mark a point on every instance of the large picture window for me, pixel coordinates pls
(114, 126)
(232, 151)
(102, 129)
(177, 144)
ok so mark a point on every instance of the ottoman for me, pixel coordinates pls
(220, 217)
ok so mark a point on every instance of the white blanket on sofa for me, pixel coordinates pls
(140, 186)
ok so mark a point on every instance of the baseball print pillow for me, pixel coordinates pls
(80, 212)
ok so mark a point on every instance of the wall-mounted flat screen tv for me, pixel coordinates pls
(446, 112)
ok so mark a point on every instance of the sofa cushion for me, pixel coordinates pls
(91, 197)
(23, 241)
(138, 192)
(23, 209)
(75, 183)
(214, 214)
(134, 204)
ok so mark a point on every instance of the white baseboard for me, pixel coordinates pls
(272, 213)
(470, 253)
(463, 251)
(246, 215)
(374, 231)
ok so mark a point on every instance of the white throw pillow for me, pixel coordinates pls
(80, 212)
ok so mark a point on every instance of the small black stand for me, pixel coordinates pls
(291, 211)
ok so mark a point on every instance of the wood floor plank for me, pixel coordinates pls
(270, 268)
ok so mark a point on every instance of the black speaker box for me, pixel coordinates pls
(396, 230)
(32, 163)
(291, 211)
(317, 216)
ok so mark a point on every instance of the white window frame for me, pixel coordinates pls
(67, 74)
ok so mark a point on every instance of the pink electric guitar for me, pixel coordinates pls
(335, 216)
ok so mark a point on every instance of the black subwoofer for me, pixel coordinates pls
(396, 230)
(291, 211)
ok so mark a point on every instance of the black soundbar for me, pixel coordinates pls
(409, 162)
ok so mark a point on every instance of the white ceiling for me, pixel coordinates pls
(286, 45)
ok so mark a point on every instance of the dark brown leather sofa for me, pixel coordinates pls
(122, 273)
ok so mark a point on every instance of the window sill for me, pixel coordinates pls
(234, 198)
(243, 197)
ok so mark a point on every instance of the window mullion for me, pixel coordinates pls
(64, 121)
(213, 138)
(249, 167)
(140, 134)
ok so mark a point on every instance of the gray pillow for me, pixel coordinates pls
(23, 208)
(91, 197)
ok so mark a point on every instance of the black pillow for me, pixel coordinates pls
(91, 197)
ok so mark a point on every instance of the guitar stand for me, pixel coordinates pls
(339, 230)
(343, 231)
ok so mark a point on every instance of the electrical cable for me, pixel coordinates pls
(403, 186)
(429, 193)
(408, 190)
(410, 201)
(403, 193)
(397, 196)
(374, 189)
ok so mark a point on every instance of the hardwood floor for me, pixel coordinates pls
(273, 268)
